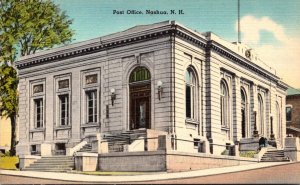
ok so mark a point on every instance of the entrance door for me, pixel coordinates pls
(140, 106)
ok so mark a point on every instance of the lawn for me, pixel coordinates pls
(8, 163)
(109, 173)
(250, 154)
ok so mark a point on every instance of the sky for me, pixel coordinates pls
(270, 27)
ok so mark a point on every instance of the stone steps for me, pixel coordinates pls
(274, 155)
(49, 170)
(117, 142)
(54, 164)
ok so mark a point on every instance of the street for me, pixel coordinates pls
(282, 174)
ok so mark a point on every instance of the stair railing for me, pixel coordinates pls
(262, 151)
(71, 151)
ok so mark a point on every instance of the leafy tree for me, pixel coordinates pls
(26, 26)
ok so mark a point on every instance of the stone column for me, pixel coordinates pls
(23, 146)
(213, 115)
(76, 106)
(255, 132)
(164, 143)
(237, 120)
(49, 111)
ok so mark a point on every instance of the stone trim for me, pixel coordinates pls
(172, 29)
(93, 49)
(221, 50)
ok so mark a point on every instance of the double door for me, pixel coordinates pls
(140, 106)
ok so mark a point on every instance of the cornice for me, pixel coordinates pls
(172, 29)
(235, 58)
(86, 50)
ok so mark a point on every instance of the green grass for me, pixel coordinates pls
(8, 163)
(249, 154)
(109, 173)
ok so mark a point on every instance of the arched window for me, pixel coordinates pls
(224, 103)
(139, 74)
(190, 93)
(244, 111)
(260, 115)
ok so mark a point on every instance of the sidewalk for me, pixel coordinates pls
(137, 178)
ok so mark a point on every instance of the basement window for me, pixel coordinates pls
(35, 150)
(60, 149)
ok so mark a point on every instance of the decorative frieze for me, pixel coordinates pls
(63, 84)
(91, 79)
(38, 88)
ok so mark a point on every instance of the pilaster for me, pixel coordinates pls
(237, 119)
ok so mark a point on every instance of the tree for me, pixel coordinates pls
(26, 26)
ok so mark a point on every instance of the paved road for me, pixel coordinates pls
(283, 174)
(7, 179)
(289, 173)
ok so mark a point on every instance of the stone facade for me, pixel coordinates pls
(170, 161)
(76, 91)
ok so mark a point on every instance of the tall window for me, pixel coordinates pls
(244, 112)
(260, 115)
(190, 93)
(288, 113)
(39, 111)
(91, 106)
(224, 103)
(64, 109)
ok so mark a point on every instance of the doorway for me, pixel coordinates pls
(140, 99)
(140, 106)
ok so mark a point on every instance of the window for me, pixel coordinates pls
(288, 113)
(224, 103)
(196, 142)
(60, 149)
(91, 106)
(244, 112)
(139, 74)
(190, 93)
(64, 109)
(260, 115)
(35, 149)
(38, 109)
(90, 93)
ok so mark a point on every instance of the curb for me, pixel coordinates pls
(74, 177)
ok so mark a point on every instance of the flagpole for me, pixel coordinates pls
(239, 24)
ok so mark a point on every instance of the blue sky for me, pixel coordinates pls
(278, 21)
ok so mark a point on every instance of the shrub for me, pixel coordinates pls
(225, 152)
(6, 154)
(249, 154)
(9, 162)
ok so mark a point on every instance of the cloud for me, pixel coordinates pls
(251, 28)
(284, 56)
